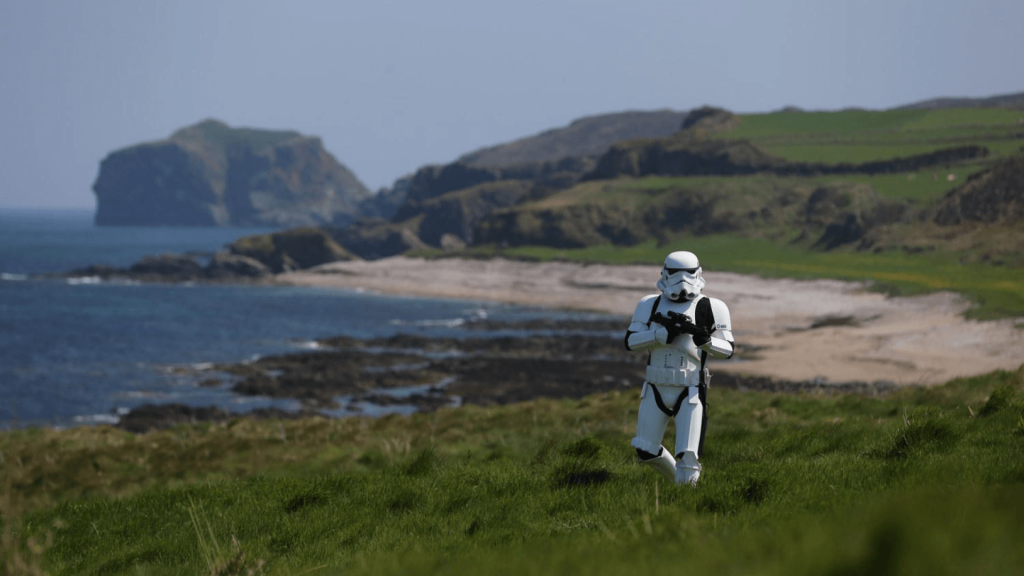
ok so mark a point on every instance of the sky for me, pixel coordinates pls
(393, 85)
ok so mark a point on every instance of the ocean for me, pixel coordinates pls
(78, 353)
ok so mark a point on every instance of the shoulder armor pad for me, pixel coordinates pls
(645, 308)
(723, 321)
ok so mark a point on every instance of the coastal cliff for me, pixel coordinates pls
(210, 174)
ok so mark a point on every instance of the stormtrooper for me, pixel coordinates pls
(680, 328)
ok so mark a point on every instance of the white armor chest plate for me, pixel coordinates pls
(679, 356)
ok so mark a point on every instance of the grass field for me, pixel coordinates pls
(922, 481)
(854, 136)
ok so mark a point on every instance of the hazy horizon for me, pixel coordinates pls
(396, 85)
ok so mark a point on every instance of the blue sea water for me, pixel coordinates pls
(79, 353)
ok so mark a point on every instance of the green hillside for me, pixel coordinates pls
(855, 136)
(922, 480)
(879, 227)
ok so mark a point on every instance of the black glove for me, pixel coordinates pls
(676, 324)
(701, 337)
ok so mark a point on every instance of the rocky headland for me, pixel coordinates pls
(211, 174)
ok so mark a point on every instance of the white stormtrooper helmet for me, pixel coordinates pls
(681, 277)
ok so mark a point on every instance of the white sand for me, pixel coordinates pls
(907, 340)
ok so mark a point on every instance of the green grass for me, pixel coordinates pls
(922, 187)
(855, 136)
(927, 481)
(996, 291)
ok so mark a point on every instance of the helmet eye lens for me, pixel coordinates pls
(671, 271)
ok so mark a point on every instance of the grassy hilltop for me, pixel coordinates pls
(921, 481)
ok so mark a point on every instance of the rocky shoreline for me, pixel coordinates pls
(172, 268)
(506, 363)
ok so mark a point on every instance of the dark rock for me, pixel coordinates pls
(683, 155)
(375, 239)
(709, 120)
(995, 196)
(850, 229)
(586, 137)
(485, 370)
(433, 181)
(167, 266)
(210, 174)
(385, 203)
(224, 265)
(291, 249)
(457, 213)
(95, 270)
(574, 226)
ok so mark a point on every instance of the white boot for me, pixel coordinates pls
(664, 463)
(687, 469)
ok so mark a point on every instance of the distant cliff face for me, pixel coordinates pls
(210, 174)
(589, 136)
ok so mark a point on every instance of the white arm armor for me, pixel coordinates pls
(721, 343)
(640, 336)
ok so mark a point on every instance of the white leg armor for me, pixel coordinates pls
(687, 469)
(664, 463)
(689, 429)
(657, 404)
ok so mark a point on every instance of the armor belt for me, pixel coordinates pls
(672, 377)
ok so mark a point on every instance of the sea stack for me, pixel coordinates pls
(210, 174)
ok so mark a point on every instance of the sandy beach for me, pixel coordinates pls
(792, 329)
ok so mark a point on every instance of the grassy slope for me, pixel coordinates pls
(862, 136)
(832, 137)
(926, 481)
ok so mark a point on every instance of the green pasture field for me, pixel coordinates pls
(920, 187)
(917, 481)
(996, 291)
(855, 136)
